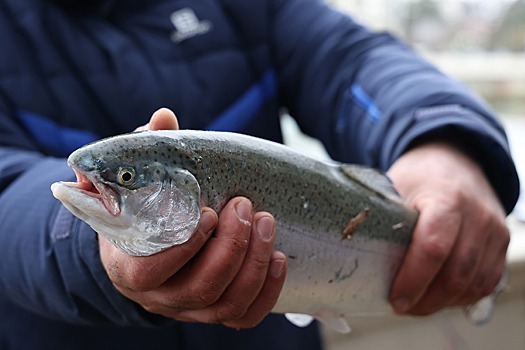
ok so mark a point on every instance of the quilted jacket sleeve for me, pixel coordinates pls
(368, 96)
(50, 262)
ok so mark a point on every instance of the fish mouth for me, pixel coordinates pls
(98, 190)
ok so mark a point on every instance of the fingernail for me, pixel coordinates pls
(265, 227)
(207, 222)
(401, 305)
(277, 268)
(244, 210)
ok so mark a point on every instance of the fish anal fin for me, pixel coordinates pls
(337, 324)
(334, 323)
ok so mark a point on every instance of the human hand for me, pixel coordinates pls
(226, 273)
(457, 254)
(161, 119)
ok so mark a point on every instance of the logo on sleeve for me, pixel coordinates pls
(187, 25)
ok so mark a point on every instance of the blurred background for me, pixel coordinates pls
(482, 43)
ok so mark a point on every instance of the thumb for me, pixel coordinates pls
(162, 119)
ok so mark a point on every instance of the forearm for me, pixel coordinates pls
(369, 97)
(51, 264)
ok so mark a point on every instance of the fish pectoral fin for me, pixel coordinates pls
(300, 320)
(337, 324)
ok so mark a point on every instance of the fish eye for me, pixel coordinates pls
(126, 176)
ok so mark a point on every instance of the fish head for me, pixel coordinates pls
(135, 191)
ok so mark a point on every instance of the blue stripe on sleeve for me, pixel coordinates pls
(241, 112)
(366, 102)
(53, 136)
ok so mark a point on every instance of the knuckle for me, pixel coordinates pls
(484, 214)
(456, 286)
(259, 267)
(230, 311)
(460, 277)
(239, 246)
(140, 279)
(466, 264)
(435, 249)
(207, 293)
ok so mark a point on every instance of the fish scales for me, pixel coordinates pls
(284, 182)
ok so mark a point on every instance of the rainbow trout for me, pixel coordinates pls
(343, 227)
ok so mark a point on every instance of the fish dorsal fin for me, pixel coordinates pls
(371, 179)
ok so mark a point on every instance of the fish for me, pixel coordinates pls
(343, 227)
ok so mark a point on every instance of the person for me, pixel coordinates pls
(74, 71)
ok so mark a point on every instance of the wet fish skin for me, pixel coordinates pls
(331, 272)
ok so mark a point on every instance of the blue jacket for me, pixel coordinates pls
(70, 74)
